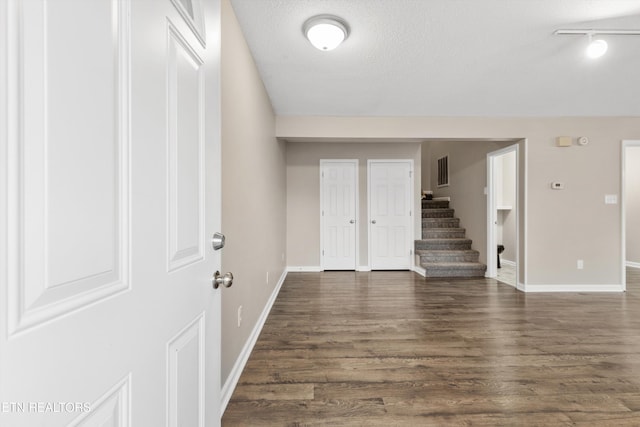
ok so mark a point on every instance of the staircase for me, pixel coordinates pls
(444, 249)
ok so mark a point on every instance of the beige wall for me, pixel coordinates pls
(253, 192)
(632, 186)
(426, 166)
(561, 226)
(303, 192)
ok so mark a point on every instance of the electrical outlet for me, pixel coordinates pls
(580, 264)
(239, 316)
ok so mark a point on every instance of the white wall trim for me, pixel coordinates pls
(572, 288)
(234, 376)
(364, 268)
(304, 268)
(633, 264)
(441, 199)
(507, 262)
(421, 271)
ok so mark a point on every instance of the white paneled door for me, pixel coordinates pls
(390, 230)
(109, 193)
(339, 192)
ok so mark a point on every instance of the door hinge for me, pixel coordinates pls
(323, 252)
(410, 172)
(410, 213)
(322, 213)
(323, 174)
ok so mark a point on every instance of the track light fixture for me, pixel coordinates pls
(597, 47)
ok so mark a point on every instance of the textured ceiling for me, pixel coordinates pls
(447, 58)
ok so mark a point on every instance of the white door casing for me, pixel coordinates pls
(493, 182)
(624, 205)
(109, 189)
(390, 189)
(339, 214)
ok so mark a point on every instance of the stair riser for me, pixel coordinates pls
(437, 213)
(438, 234)
(440, 223)
(442, 246)
(450, 257)
(454, 273)
(434, 204)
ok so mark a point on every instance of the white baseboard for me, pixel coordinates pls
(572, 288)
(442, 199)
(507, 262)
(234, 376)
(317, 269)
(304, 269)
(421, 271)
(633, 264)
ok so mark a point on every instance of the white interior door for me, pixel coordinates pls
(390, 230)
(339, 195)
(108, 191)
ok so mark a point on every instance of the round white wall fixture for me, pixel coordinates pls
(583, 140)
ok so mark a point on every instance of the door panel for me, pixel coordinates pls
(186, 148)
(390, 214)
(339, 214)
(112, 186)
(51, 194)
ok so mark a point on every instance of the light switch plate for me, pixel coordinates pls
(610, 199)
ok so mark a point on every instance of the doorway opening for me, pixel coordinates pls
(630, 207)
(503, 243)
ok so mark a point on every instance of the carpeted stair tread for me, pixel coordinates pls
(451, 255)
(435, 244)
(443, 233)
(454, 269)
(435, 204)
(437, 213)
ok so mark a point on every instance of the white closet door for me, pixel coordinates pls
(390, 236)
(339, 214)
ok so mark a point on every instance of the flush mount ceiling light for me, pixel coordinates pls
(597, 47)
(325, 32)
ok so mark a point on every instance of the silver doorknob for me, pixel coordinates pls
(219, 279)
(217, 241)
(373, 221)
(353, 221)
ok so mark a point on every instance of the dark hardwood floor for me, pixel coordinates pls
(391, 349)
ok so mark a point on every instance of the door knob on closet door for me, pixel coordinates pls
(353, 221)
(373, 221)
(219, 279)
